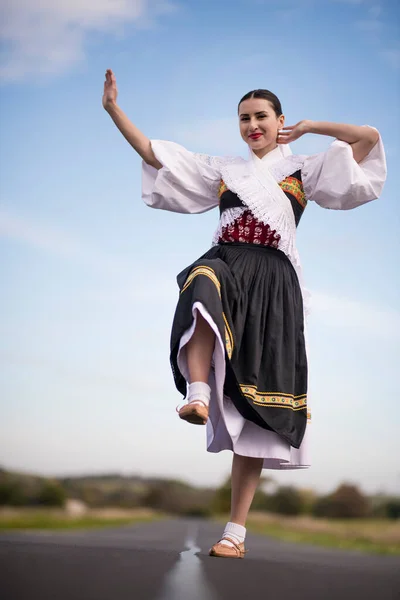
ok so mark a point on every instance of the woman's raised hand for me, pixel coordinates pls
(110, 90)
(293, 132)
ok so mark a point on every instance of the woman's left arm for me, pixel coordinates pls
(351, 172)
(361, 138)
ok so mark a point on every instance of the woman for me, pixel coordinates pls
(238, 332)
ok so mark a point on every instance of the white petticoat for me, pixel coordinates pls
(226, 428)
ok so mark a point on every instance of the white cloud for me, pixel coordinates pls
(352, 314)
(48, 36)
(104, 376)
(218, 136)
(374, 27)
(375, 11)
(370, 25)
(349, 1)
(56, 241)
(392, 57)
(344, 312)
(288, 13)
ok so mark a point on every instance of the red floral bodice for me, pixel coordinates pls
(245, 227)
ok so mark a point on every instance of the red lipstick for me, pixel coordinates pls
(255, 136)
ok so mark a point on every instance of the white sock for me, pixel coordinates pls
(234, 531)
(199, 391)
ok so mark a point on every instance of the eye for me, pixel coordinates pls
(262, 116)
(244, 118)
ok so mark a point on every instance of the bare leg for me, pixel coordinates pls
(245, 477)
(199, 351)
(246, 473)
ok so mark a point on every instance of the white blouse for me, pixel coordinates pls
(189, 183)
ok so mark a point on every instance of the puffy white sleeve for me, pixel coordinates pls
(186, 183)
(335, 180)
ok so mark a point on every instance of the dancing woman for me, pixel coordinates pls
(238, 351)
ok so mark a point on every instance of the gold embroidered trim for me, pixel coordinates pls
(201, 270)
(222, 188)
(228, 338)
(295, 187)
(279, 399)
(210, 273)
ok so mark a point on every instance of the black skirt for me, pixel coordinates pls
(252, 293)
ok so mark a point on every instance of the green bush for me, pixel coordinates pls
(287, 500)
(51, 494)
(346, 502)
(393, 509)
(221, 501)
(12, 494)
(178, 498)
(262, 502)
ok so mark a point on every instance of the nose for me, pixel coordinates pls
(253, 125)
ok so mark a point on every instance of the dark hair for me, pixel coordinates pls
(265, 95)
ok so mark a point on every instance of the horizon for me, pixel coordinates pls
(88, 285)
(265, 481)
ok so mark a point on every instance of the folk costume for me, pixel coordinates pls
(249, 285)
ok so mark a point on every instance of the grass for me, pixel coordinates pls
(372, 536)
(57, 520)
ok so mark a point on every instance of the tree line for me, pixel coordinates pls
(179, 498)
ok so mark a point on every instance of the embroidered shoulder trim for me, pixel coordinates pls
(294, 187)
(222, 188)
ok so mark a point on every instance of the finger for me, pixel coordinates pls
(288, 128)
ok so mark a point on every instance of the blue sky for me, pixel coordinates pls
(88, 272)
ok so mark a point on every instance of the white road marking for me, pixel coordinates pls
(187, 581)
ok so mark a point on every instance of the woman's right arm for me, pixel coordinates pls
(173, 178)
(131, 133)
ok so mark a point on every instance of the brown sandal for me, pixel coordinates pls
(223, 551)
(194, 413)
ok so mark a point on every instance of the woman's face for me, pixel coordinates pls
(259, 125)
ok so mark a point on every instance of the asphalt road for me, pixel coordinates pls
(169, 561)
